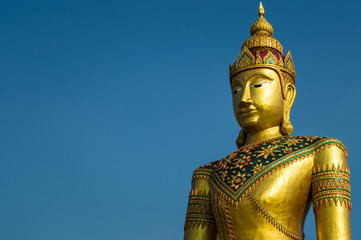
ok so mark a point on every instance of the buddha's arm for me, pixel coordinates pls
(331, 194)
(200, 223)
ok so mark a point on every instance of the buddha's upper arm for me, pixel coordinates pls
(331, 155)
(200, 222)
(201, 185)
(331, 177)
(331, 195)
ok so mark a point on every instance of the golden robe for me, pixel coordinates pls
(264, 191)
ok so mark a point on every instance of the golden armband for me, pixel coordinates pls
(199, 211)
(331, 187)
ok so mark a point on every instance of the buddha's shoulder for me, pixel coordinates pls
(204, 171)
(328, 152)
(324, 150)
(318, 139)
(320, 144)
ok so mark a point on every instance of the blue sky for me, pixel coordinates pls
(107, 107)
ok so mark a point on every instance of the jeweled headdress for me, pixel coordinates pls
(262, 50)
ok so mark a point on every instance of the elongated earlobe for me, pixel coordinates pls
(286, 125)
(241, 140)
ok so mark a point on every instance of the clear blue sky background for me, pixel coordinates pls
(106, 107)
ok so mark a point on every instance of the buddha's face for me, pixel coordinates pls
(258, 103)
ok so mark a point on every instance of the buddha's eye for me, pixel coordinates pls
(259, 85)
(236, 90)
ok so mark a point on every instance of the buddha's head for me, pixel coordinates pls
(262, 82)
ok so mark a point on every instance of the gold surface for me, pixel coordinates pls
(276, 205)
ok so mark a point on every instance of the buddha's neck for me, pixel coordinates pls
(263, 135)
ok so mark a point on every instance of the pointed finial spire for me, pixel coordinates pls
(261, 25)
(260, 10)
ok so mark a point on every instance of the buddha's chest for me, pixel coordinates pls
(235, 175)
(280, 197)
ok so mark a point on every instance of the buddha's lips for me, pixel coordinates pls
(246, 110)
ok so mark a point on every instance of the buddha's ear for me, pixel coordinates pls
(290, 95)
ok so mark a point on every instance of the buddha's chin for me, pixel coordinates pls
(249, 124)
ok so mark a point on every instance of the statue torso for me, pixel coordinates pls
(263, 190)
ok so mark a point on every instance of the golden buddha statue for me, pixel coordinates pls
(264, 189)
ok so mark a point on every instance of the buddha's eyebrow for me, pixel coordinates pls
(260, 76)
(234, 82)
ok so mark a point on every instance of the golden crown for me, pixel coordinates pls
(262, 50)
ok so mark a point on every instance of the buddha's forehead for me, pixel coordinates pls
(256, 72)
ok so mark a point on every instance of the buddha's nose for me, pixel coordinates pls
(246, 99)
(245, 103)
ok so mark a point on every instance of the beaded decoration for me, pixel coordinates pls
(331, 186)
(199, 212)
